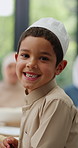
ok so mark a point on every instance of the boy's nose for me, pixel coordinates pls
(32, 64)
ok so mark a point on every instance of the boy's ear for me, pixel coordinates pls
(16, 56)
(60, 67)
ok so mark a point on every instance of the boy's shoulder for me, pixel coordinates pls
(59, 94)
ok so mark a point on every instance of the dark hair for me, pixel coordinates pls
(48, 35)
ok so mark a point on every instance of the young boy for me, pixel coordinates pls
(49, 120)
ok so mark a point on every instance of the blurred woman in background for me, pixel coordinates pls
(11, 93)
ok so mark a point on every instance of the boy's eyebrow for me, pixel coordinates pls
(46, 53)
(24, 49)
(42, 52)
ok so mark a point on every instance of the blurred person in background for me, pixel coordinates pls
(11, 91)
(72, 90)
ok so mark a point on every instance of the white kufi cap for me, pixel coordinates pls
(57, 28)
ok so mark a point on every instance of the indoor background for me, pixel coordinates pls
(16, 15)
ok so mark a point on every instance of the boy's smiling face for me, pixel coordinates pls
(36, 62)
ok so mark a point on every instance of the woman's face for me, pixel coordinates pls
(10, 73)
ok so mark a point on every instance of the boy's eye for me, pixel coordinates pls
(25, 55)
(44, 58)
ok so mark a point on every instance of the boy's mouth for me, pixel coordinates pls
(30, 75)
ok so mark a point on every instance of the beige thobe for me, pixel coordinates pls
(50, 120)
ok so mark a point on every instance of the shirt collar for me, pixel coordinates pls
(40, 92)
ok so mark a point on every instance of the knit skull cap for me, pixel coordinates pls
(56, 27)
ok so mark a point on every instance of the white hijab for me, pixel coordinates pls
(9, 58)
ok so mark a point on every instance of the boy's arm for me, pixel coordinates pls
(73, 137)
(55, 125)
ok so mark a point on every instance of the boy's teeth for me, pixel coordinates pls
(30, 75)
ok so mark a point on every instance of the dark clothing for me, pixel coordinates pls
(72, 92)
